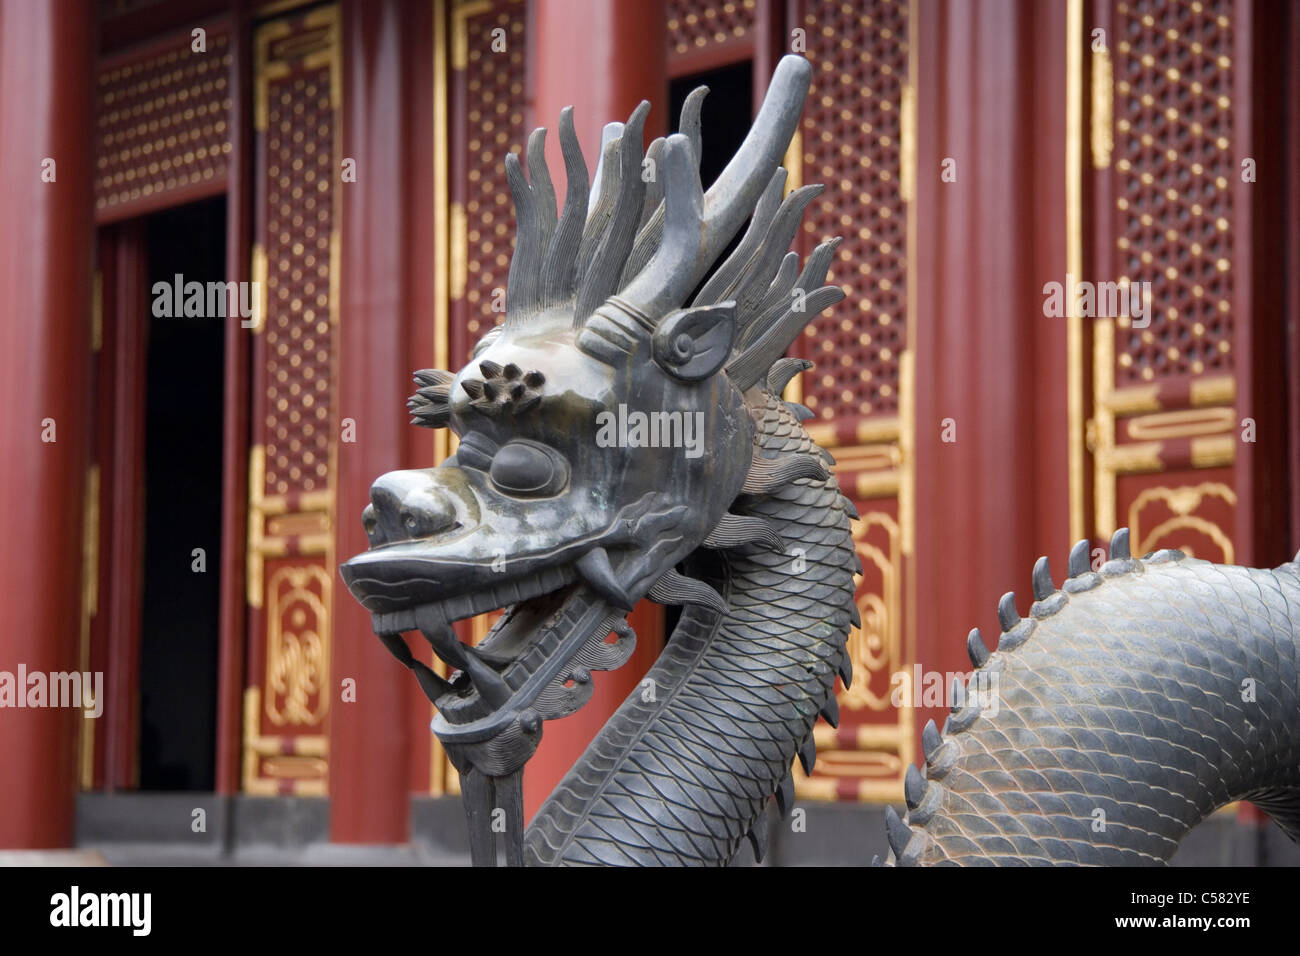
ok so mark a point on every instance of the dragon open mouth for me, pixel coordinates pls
(535, 664)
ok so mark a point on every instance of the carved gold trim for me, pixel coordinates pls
(876, 645)
(1180, 424)
(1137, 458)
(877, 756)
(1076, 429)
(460, 14)
(1132, 400)
(1103, 102)
(1182, 501)
(907, 144)
(257, 746)
(90, 544)
(259, 268)
(1220, 390)
(297, 662)
(256, 525)
(867, 457)
(869, 485)
(1214, 452)
(907, 434)
(264, 71)
(458, 267)
(865, 737)
(89, 609)
(1103, 377)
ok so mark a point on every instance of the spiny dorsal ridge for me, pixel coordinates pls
(931, 741)
(1042, 579)
(913, 787)
(1010, 640)
(1079, 555)
(845, 669)
(1008, 616)
(808, 754)
(1119, 546)
(785, 796)
(898, 832)
(830, 711)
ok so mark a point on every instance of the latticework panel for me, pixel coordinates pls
(851, 142)
(1174, 163)
(300, 221)
(494, 126)
(695, 25)
(291, 500)
(161, 124)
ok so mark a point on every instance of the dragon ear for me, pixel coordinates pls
(692, 344)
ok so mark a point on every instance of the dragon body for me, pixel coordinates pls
(1131, 704)
(1119, 695)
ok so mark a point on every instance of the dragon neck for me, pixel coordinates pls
(683, 770)
(1129, 706)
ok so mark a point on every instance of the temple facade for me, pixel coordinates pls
(233, 229)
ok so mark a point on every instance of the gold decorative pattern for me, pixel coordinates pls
(700, 24)
(876, 646)
(1103, 136)
(161, 124)
(1183, 501)
(281, 765)
(297, 662)
(1180, 424)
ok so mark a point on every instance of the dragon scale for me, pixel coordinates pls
(748, 684)
(1130, 705)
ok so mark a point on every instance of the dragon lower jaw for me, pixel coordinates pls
(534, 665)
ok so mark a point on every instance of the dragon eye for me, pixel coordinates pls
(524, 467)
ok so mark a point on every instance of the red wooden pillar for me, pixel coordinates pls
(46, 53)
(603, 57)
(992, 98)
(370, 741)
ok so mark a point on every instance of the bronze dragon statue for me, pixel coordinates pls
(622, 436)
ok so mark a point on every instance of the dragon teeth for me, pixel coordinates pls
(393, 622)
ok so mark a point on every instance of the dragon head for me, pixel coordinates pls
(605, 428)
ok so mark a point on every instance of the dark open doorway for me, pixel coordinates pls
(182, 504)
(728, 111)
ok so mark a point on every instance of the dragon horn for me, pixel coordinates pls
(677, 267)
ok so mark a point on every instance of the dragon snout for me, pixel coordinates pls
(406, 505)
